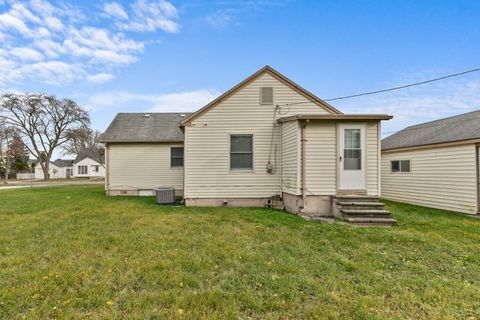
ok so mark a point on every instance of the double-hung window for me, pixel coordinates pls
(241, 152)
(176, 157)
(82, 169)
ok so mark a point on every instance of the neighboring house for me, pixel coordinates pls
(434, 164)
(265, 142)
(89, 164)
(58, 169)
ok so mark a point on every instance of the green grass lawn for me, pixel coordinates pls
(70, 252)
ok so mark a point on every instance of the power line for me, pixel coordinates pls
(393, 88)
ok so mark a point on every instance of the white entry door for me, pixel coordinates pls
(352, 157)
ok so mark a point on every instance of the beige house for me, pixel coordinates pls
(435, 164)
(265, 142)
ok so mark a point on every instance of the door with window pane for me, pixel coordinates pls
(352, 157)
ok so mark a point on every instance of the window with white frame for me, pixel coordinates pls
(82, 169)
(96, 168)
(400, 165)
(241, 152)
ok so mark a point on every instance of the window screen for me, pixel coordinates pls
(352, 152)
(266, 95)
(176, 157)
(241, 151)
(405, 166)
(400, 165)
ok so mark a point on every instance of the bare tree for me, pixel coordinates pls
(81, 139)
(6, 135)
(44, 121)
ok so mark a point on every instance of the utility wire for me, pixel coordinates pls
(393, 88)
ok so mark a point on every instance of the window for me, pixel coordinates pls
(176, 157)
(82, 169)
(241, 151)
(96, 168)
(400, 165)
(266, 95)
(352, 152)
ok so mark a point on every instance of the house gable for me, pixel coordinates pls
(292, 93)
(208, 171)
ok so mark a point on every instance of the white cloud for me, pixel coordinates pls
(231, 12)
(51, 72)
(34, 31)
(173, 102)
(418, 104)
(144, 16)
(100, 77)
(115, 10)
(8, 21)
(26, 54)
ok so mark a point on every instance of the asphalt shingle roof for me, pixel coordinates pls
(63, 163)
(145, 127)
(462, 127)
(92, 154)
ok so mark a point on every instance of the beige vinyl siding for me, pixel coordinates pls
(290, 157)
(372, 157)
(321, 158)
(207, 168)
(142, 166)
(441, 177)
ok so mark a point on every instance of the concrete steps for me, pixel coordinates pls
(363, 210)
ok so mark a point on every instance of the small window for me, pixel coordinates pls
(352, 152)
(241, 152)
(82, 169)
(176, 157)
(96, 168)
(400, 166)
(266, 95)
(405, 166)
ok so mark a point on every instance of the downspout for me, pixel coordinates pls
(107, 171)
(303, 164)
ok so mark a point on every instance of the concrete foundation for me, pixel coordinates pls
(138, 192)
(318, 205)
(235, 202)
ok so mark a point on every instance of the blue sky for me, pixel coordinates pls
(153, 55)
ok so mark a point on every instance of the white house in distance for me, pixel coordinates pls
(88, 164)
(435, 164)
(265, 142)
(58, 169)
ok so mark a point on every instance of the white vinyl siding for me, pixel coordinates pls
(372, 157)
(321, 158)
(207, 166)
(441, 177)
(86, 168)
(290, 157)
(143, 166)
